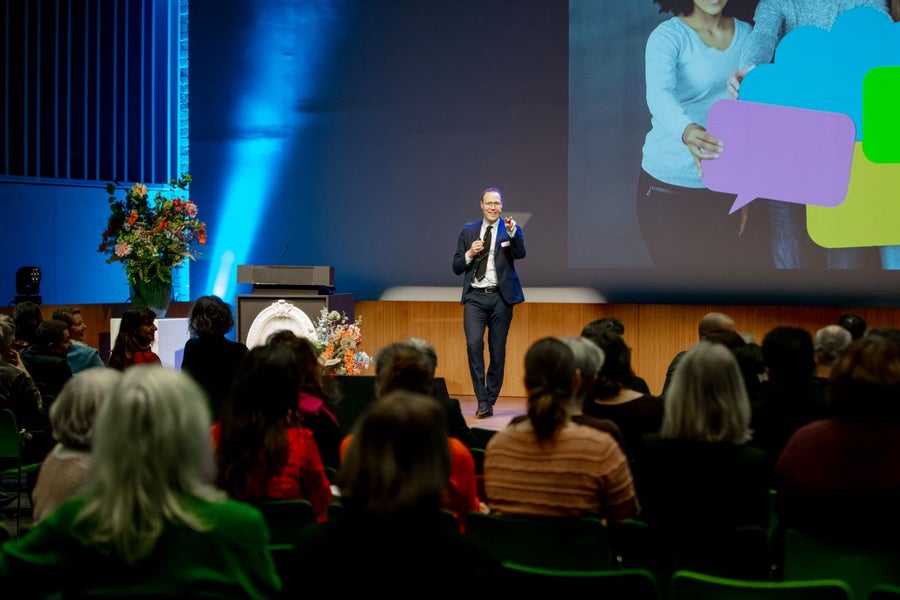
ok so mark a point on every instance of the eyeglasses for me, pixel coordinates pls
(492, 204)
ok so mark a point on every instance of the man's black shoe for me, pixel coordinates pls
(484, 413)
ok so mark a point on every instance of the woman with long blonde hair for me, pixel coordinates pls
(149, 521)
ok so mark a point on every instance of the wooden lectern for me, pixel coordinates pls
(286, 297)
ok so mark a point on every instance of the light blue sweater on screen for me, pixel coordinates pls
(685, 77)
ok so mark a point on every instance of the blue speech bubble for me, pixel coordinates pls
(822, 70)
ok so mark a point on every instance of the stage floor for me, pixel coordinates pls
(504, 410)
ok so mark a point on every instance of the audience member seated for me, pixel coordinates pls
(839, 476)
(149, 522)
(853, 323)
(80, 356)
(315, 403)
(698, 479)
(548, 465)
(588, 360)
(791, 397)
(132, 346)
(456, 422)
(711, 323)
(615, 324)
(699, 472)
(753, 369)
(390, 537)
(72, 416)
(27, 316)
(209, 357)
(262, 451)
(402, 366)
(611, 398)
(828, 343)
(19, 394)
(46, 359)
(891, 333)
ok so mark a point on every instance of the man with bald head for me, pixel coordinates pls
(711, 323)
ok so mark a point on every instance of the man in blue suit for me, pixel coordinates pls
(486, 254)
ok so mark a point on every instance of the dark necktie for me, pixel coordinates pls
(481, 267)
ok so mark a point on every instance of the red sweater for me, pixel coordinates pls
(302, 475)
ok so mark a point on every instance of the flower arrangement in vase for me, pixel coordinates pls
(152, 236)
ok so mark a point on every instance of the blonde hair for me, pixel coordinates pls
(708, 400)
(151, 452)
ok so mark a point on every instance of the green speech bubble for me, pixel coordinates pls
(869, 214)
(880, 115)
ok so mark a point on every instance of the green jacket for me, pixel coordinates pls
(228, 560)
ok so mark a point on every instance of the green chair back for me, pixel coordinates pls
(478, 456)
(11, 450)
(861, 566)
(481, 436)
(885, 592)
(286, 519)
(571, 543)
(690, 585)
(739, 553)
(532, 582)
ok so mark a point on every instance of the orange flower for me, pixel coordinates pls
(132, 218)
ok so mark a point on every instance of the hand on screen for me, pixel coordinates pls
(701, 144)
(734, 82)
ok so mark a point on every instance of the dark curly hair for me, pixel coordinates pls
(210, 316)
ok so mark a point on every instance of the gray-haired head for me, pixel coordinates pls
(72, 413)
(829, 342)
(589, 359)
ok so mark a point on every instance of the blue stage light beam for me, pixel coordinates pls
(264, 124)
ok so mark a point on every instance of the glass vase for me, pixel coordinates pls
(155, 295)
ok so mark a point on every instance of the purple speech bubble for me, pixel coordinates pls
(778, 152)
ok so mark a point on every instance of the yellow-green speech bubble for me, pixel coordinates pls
(869, 214)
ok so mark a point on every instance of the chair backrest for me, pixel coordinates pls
(739, 553)
(286, 519)
(478, 457)
(286, 558)
(357, 394)
(571, 543)
(531, 582)
(690, 585)
(862, 566)
(9, 435)
(885, 592)
(481, 436)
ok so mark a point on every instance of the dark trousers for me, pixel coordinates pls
(492, 312)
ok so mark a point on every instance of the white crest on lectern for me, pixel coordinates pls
(279, 315)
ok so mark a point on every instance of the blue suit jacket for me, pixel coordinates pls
(506, 250)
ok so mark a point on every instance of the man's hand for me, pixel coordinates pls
(510, 224)
(734, 82)
(476, 248)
